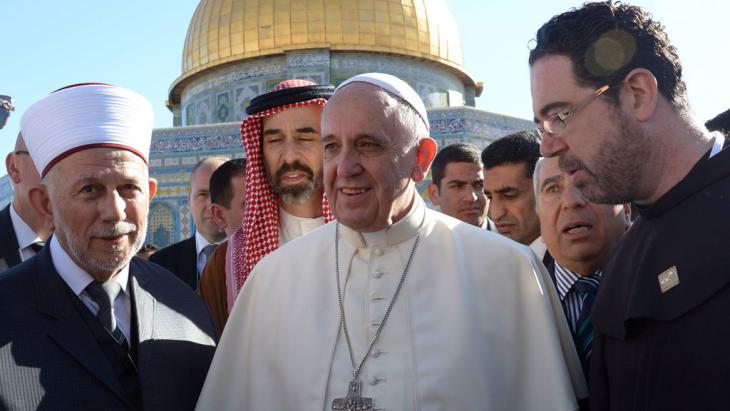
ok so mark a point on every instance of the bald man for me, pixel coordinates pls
(22, 232)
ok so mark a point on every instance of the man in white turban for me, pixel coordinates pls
(393, 306)
(84, 324)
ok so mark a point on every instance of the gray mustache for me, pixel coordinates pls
(120, 228)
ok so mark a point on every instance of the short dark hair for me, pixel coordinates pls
(605, 41)
(453, 153)
(221, 192)
(721, 122)
(515, 148)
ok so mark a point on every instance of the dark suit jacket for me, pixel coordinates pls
(9, 251)
(182, 259)
(49, 358)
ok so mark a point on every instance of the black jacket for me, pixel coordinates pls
(669, 350)
(50, 360)
(9, 248)
(182, 259)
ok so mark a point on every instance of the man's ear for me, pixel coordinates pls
(12, 168)
(640, 94)
(426, 151)
(153, 188)
(433, 193)
(216, 211)
(41, 203)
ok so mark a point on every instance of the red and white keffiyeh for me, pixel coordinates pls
(259, 233)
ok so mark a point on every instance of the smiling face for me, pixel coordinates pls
(512, 202)
(370, 160)
(461, 193)
(578, 234)
(603, 152)
(292, 152)
(99, 199)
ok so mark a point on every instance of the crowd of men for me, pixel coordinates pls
(319, 278)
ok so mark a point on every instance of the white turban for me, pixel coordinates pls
(84, 116)
(394, 86)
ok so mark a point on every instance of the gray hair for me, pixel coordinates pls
(408, 118)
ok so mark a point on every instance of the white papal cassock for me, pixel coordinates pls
(472, 329)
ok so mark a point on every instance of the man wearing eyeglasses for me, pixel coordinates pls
(610, 103)
(22, 231)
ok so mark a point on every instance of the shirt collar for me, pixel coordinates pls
(291, 226)
(406, 228)
(25, 235)
(75, 276)
(564, 279)
(201, 242)
(538, 247)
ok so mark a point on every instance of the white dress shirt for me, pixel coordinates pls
(291, 226)
(539, 248)
(24, 234)
(78, 279)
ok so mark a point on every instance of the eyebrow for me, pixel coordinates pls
(306, 130)
(270, 131)
(456, 181)
(551, 179)
(550, 107)
(506, 190)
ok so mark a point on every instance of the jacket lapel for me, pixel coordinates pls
(143, 301)
(53, 298)
(192, 269)
(8, 241)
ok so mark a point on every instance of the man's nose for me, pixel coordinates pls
(551, 146)
(114, 208)
(348, 164)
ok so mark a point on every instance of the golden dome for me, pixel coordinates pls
(225, 31)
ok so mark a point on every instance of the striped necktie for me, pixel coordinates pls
(586, 288)
(104, 295)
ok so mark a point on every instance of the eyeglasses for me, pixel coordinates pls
(556, 123)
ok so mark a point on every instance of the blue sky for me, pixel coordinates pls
(138, 44)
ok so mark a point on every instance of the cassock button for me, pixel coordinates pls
(378, 251)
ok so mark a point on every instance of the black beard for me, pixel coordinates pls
(299, 193)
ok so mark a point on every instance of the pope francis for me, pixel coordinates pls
(392, 306)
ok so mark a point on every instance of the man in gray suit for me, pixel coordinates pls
(84, 324)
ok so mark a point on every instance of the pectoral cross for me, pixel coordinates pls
(353, 401)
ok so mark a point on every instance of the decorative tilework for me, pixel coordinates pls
(223, 112)
(160, 227)
(437, 85)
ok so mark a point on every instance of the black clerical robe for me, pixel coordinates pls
(662, 313)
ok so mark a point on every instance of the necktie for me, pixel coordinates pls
(208, 250)
(37, 246)
(104, 295)
(586, 287)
